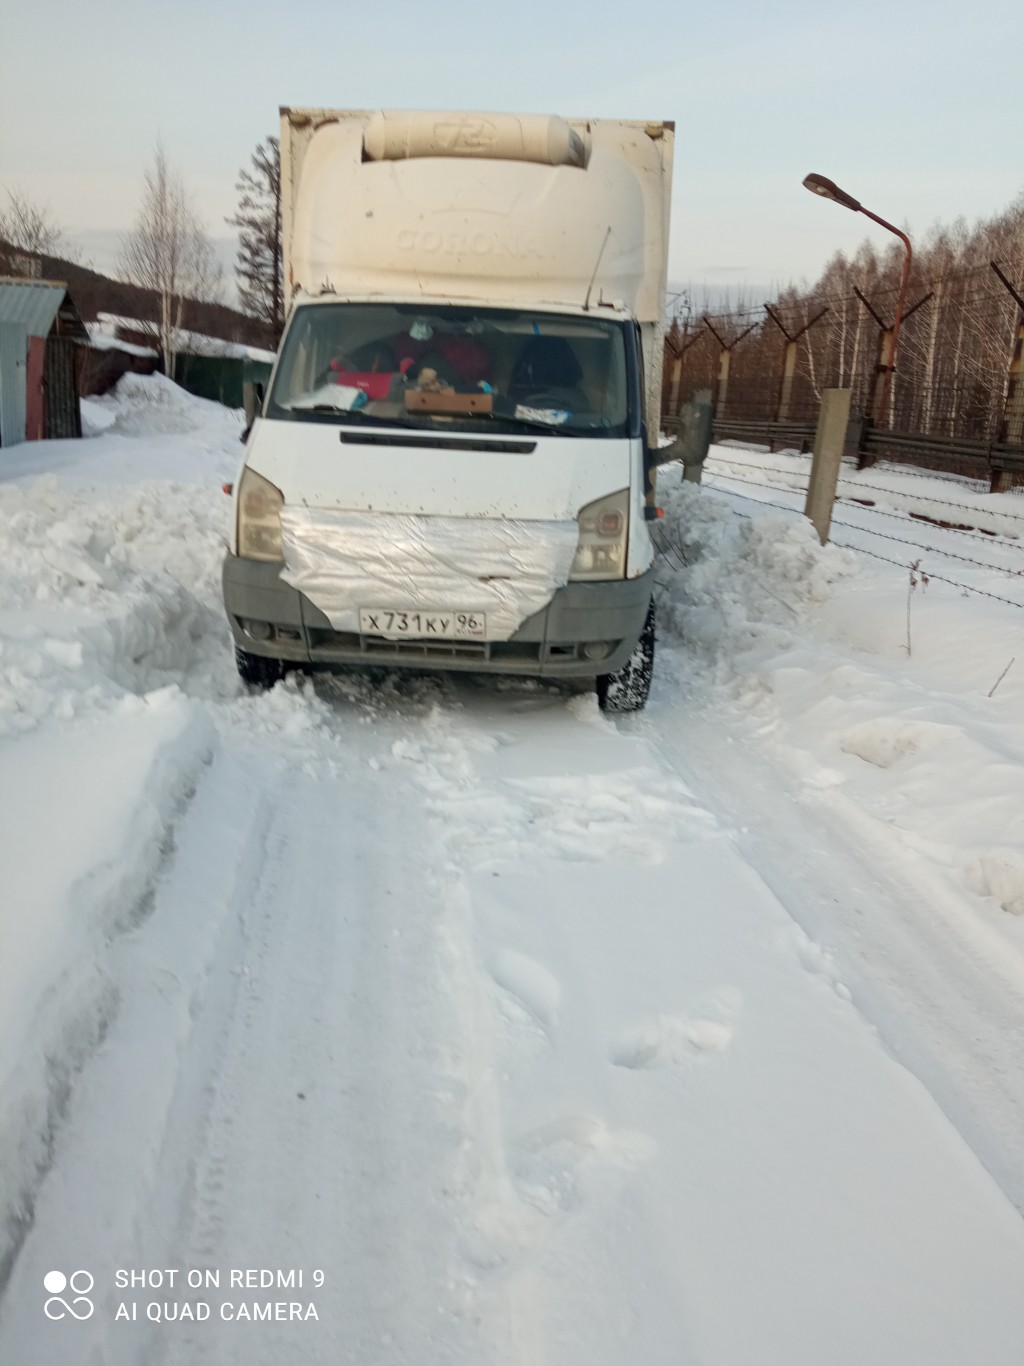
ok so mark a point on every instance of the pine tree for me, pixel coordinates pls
(259, 267)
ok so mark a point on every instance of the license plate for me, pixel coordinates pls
(385, 621)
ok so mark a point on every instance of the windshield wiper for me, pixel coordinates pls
(533, 424)
(342, 414)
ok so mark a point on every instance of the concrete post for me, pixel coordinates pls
(1012, 429)
(786, 387)
(696, 423)
(722, 391)
(880, 396)
(828, 455)
(1013, 414)
(674, 385)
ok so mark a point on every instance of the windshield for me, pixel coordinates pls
(462, 368)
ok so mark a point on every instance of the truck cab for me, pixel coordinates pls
(450, 465)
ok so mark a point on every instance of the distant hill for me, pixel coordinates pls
(94, 293)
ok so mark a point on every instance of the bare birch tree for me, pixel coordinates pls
(169, 252)
(30, 227)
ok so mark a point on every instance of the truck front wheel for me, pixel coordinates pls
(257, 669)
(627, 689)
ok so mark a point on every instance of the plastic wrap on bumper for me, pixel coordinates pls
(344, 561)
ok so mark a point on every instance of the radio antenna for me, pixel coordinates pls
(597, 267)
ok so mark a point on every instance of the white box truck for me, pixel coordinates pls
(451, 465)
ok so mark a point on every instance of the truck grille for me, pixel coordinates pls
(377, 649)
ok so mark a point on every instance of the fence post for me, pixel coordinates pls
(884, 367)
(677, 349)
(1011, 432)
(1013, 414)
(857, 440)
(828, 456)
(725, 350)
(782, 409)
(699, 420)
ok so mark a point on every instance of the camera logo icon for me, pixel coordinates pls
(79, 1283)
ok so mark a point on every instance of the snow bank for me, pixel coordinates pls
(109, 585)
(87, 816)
(110, 573)
(147, 405)
(725, 584)
(95, 602)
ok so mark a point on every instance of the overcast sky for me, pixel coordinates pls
(914, 106)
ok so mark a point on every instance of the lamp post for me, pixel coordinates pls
(828, 189)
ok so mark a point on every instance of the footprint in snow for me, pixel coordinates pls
(673, 1040)
(818, 961)
(886, 740)
(555, 1167)
(551, 1172)
(529, 985)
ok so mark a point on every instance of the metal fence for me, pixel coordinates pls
(220, 378)
(959, 377)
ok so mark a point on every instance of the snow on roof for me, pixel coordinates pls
(106, 341)
(187, 343)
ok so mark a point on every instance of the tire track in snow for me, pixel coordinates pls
(335, 1133)
(666, 1060)
(544, 785)
(496, 1016)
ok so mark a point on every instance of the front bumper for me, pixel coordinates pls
(268, 617)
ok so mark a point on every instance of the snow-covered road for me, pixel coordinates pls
(525, 1036)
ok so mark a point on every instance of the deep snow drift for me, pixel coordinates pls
(689, 1038)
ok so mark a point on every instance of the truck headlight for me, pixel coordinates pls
(259, 518)
(604, 526)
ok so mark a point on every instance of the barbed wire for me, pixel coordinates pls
(940, 578)
(662, 545)
(932, 549)
(901, 469)
(762, 502)
(943, 476)
(872, 512)
(983, 537)
(796, 309)
(860, 550)
(942, 502)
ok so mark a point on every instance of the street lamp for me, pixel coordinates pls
(828, 189)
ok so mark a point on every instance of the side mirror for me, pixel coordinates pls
(252, 400)
(693, 439)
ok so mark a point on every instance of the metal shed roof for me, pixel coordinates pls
(35, 304)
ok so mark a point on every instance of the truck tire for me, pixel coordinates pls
(627, 689)
(257, 669)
